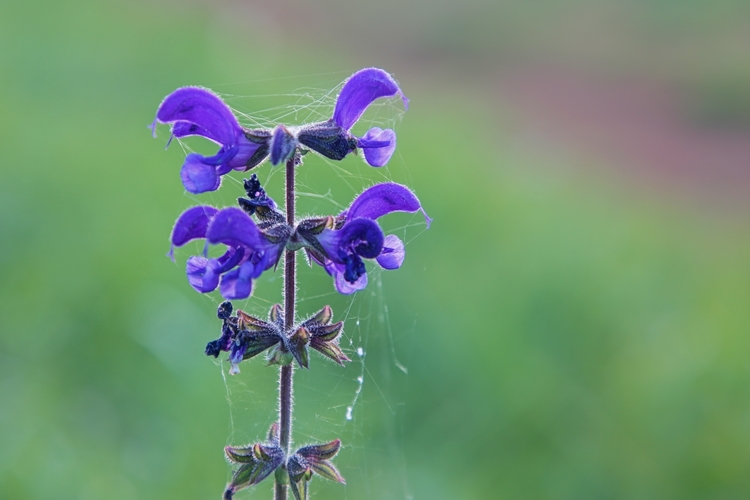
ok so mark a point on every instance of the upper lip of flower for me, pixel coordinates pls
(199, 111)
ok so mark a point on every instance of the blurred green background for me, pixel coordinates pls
(575, 324)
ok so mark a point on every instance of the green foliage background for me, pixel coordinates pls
(567, 334)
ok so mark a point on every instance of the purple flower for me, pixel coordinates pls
(198, 111)
(249, 251)
(332, 138)
(356, 236)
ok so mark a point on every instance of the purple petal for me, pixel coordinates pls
(361, 236)
(364, 236)
(203, 274)
(186, 129)
(198, 177)
(202, 108)
(392, 255)
(346, 288)
(233, 227)
(378, 146)
(338, 271)
(382, 199)
(232, 156)
(191, 224)
(231, 258)
(200, 276)
(238, 284)
(359, 91)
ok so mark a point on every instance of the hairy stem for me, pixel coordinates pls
(285, 378)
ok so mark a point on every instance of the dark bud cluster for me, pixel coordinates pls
(258, 203)
(244, 336)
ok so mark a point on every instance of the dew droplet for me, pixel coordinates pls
(349, 412)
(360, 352)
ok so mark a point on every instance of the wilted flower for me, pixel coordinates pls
(354, 235)
(198, 111)
(245, 336)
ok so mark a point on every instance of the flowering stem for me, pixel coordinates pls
(285, 378)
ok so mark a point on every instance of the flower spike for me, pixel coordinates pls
(256, 233)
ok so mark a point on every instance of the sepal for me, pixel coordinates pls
(327, 470)
(327, 139)
(319, 452)
(307, 231)
(256, 343)
(256, 462)
(263, 139)
(251, 323)
(276, 315)
(239, 454)
(299, 489)
(297, 345)
(323, 317)
(273, 433)
(316, 225)
(324, 336)
(330, 350)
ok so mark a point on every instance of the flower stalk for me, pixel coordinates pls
(287, 371)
